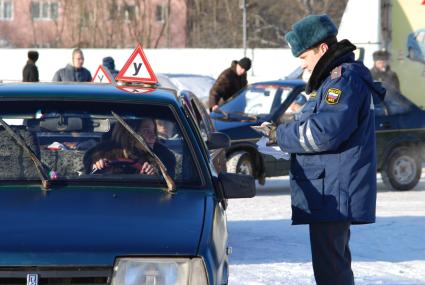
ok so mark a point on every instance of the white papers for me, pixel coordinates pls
(274, 151)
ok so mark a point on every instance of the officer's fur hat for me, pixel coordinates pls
(310, 31)
(381, 55)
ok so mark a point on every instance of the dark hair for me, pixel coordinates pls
(33, 55)
(124, 139)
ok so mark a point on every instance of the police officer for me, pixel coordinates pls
(332, 146)
(381, 70)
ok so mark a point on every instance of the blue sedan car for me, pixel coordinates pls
(400, 131)
(94, 192)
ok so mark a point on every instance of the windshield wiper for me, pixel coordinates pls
(171, 185)
(38, 165)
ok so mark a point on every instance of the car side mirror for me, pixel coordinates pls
(236, 185)
(218, 140)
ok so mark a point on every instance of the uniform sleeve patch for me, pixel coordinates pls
(333, 95)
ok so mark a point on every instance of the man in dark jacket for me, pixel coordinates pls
(381, 70)
(230, 81)
(332, 146)
(30, 72)
(75, 72)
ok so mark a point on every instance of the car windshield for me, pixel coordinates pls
(71, 138)
(257, 99)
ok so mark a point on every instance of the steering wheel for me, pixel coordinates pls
(117, 167)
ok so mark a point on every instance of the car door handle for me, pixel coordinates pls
(385, 125)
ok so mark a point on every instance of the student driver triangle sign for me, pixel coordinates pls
(102, 75)
(137, 68)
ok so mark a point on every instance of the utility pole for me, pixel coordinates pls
(242, 4)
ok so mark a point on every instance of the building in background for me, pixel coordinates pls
(96, 23)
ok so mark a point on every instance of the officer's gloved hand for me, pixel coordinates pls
(268, 130)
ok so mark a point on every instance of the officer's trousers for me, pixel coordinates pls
(331, 253)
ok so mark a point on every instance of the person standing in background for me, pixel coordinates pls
(109, 63)
(381, 70)
(30, 71)
(230, 81)
(75, 72)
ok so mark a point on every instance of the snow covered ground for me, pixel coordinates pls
(268, 250)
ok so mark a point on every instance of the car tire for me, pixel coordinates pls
(402, 169)
(240, 162)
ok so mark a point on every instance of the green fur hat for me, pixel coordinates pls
(309, 31)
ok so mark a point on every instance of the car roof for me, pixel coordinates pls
(286, 82)
(86, 91)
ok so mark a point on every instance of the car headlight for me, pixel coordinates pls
(159, 271)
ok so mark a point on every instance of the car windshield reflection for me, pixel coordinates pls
(257, 100)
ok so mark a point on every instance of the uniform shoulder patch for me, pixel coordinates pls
(336, 72)
(333, 95)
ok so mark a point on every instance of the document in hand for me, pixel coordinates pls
(274, 151)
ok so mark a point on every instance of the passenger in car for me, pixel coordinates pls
(123, 147)
(166, 129)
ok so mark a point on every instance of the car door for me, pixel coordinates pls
(206, 127)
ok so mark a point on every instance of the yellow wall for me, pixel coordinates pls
(408, 16)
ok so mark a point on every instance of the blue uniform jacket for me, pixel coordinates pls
(332, 146)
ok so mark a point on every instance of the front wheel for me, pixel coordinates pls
(240, 162)
(402, 169)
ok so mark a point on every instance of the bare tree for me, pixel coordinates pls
(218, 23)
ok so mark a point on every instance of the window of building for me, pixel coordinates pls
(6, 10)
(160, 13)
(129, 12)
(44, 10)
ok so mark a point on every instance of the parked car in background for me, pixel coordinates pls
(198, 84)
(66, 221)
(400, 131)
(416, 45)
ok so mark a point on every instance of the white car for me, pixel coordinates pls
(198, 84)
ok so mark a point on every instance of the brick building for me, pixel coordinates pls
(93, 23)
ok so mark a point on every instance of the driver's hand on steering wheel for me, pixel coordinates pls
(147, 168)
(100, 164)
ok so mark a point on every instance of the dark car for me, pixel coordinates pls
(400, 131)
(207, 129)
(64, 220)
(199, 112)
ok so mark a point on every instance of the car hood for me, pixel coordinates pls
(94, 226)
